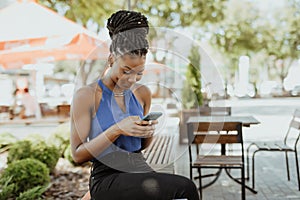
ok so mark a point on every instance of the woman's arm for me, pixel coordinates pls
(81, 116)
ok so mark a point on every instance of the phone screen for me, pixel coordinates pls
(152, 116)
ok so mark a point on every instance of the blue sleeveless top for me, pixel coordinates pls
(109, 113)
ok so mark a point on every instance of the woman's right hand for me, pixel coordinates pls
(131, 126)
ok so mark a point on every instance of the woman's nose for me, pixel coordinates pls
(132, 78)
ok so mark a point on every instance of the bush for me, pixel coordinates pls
(46, 154)
(40, 151)
(6, 191)
(33, 193)
(19, 150)
(61, 137)
(24, 175)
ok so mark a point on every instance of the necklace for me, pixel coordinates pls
(120, 94)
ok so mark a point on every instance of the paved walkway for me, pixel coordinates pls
(271, 178)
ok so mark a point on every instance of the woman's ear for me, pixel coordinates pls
(111, 60)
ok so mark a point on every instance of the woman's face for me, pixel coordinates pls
(127, 70)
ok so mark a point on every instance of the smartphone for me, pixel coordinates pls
(152, 116)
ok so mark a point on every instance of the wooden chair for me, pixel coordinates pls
(222, 133)
(202, 111)
(63, 110)
(289, 144)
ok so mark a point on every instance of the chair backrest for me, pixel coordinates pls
(293, 133)
(63, 110)
(201, 132)
(215, 133)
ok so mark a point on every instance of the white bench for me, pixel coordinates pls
(160, 153)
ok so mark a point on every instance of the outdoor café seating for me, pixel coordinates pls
(222, 133)
(289, 144)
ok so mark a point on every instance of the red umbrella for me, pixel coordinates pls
(33, 33)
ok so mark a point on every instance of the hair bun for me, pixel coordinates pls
(124, 20)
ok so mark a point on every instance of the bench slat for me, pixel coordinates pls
(162, 153)
(156, 143)
(159, 153)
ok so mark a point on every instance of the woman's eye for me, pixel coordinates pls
(140, 73)
(127, 72)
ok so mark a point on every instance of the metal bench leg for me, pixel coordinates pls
(297, 168)
(287, 165)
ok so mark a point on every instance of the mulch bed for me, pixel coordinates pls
(68, 182)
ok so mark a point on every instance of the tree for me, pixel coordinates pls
(275, 37)
(174, 13)
(237, 34)
(281, 40)
(83, 12)
(161, 13)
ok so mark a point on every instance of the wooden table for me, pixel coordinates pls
(245, 120)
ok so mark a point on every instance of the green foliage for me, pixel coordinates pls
(281, 40)
(6, 189)
(247, 31)
(191, 94)
(68, 156)
(6, 140)
(23, 175)
(82, 11)
(48, 155)
(237, 34)
(60, 137)
(181, 13)
(33, 193)
(160, 12)
(20, 150)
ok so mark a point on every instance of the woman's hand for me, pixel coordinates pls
(133, 126)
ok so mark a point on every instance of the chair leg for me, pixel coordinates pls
(200, 182)
(287, 165)
(248, 166)
(297, 168)
(191, 173)
(253, 170)
(243, 183)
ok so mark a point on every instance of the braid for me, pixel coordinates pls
(128, 31)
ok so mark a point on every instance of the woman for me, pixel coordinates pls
(106, 126)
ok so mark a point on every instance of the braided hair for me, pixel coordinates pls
(128, 31)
